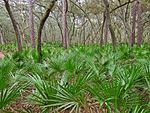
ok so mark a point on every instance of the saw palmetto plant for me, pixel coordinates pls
(79, 80)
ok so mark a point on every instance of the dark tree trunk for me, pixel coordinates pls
(31, 23)
(42, 22)
(139, 25)
(14, 23)
(112, 35)
(45, 35)
(64, 24)
(102, 30)
(134, 14)
(105, 29)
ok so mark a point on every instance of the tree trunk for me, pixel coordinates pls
(84, 31)
(42, 22)
(45, 35)
(14, 23)
(31, 23)
(108, 23)
(1, 37)
(139, 25)
(105, 29)
(112, 35)
(102, 30)
(64, 24)
(134, 14)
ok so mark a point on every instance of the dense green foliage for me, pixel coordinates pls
(81, 78)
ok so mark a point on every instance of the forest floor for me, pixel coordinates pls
(20, 104)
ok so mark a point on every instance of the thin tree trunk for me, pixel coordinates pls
(124, 19)
(31, 23)
(105, 28)
(112, 35)
(108, 23)
(102, 30)
(139, 25)
(84, 38)
(14, 23)
(64, 24)
(42, 22)
(59, 25)
(45, 35)
(1, 38)
(134, 14)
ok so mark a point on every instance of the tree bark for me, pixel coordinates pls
(1, 36)
(139, 25)
(105, 29)
(84, 31)
(108, 23)
(42, 22)
(31, 23)
(64, 24)
(134, 14)
(14, 23)
(102, 30)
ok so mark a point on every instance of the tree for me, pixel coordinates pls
(82, 21)
(1, 36)
(31, 23)
(139, 24)
(134, 15)
(42, 22)
(108, 23)
(64, 24)
(102, 30)
(14, 23)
